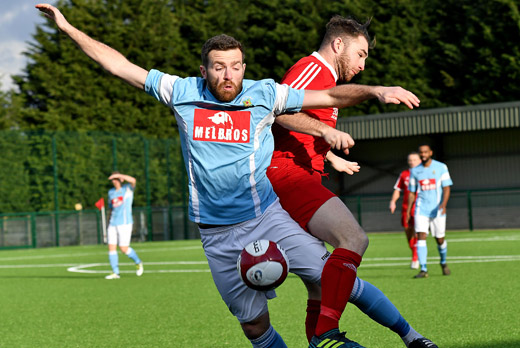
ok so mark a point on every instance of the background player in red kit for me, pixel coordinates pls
(402, 186)
(295, 173)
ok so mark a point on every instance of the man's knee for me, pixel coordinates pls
(422, 235)
(351, 237)
(256, 327)
(362, 240)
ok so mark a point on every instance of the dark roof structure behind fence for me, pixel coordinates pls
(433, 121)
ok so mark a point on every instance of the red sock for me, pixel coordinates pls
(337, 280)
(313, 312)
(413, 246)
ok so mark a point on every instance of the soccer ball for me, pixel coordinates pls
(263, 265)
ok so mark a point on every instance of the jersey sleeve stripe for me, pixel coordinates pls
(396, 186)
(302, 75)
(306, 77)
(311, 79)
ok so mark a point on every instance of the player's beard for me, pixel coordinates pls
(218, 91)
(344, 69)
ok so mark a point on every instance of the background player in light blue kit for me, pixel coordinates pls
(120, 199)
(430, 187)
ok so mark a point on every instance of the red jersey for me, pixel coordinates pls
(402, 186)
(311, 72)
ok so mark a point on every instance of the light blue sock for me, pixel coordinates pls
(114, 261)
(133, 255)
(443, 251)
(422, 253)
(371, 301)
(270, 339)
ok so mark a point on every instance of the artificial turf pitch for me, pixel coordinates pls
(58, 297)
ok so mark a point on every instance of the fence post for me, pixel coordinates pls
(2, 241)
(470, 210)
(148, 199)
(33, 230)
(98, 226)
(56, 203)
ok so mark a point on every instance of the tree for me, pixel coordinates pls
(472, 55)
(9, 109)
(64, 90)
(4, 109)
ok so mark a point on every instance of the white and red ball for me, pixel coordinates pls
(263, 265)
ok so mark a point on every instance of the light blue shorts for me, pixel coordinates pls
(307, 256)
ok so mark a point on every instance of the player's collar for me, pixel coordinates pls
(321, 59)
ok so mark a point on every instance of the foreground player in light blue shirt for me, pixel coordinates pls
(224, 122)
(430, 188)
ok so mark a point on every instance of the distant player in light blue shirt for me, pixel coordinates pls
(430, 187)
(120, 199)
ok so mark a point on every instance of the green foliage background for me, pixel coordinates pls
(84, 160)
(448, 52)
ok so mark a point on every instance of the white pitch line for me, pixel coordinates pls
(139, 250)
(74, 265)
(81, 268)
(450, 261)
(50, 265)
(487, 239)
(151, 250)
(365, 259)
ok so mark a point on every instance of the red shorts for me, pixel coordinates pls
(299, 189)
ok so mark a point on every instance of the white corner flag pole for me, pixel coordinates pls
(103, 222)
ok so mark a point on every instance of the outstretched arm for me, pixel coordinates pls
(411, 201)
(342, 165)
(303, 123)
(393, 200)
(123, 177)
(446, 190)
(351, 94)
(110, 59)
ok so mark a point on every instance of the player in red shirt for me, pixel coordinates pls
(402, 186)
(295, 173)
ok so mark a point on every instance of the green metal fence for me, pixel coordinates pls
(468, 210)
(50, 173)
(39, 229)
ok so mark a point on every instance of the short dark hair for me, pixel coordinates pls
(413, 153)
(339, 26)
(115, 172)
(220, 42)
(429, 146)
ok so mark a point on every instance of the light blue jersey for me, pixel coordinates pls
(227, 147)
(120, 203)
(428, 182)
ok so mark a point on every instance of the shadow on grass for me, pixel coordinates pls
(494, 344)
